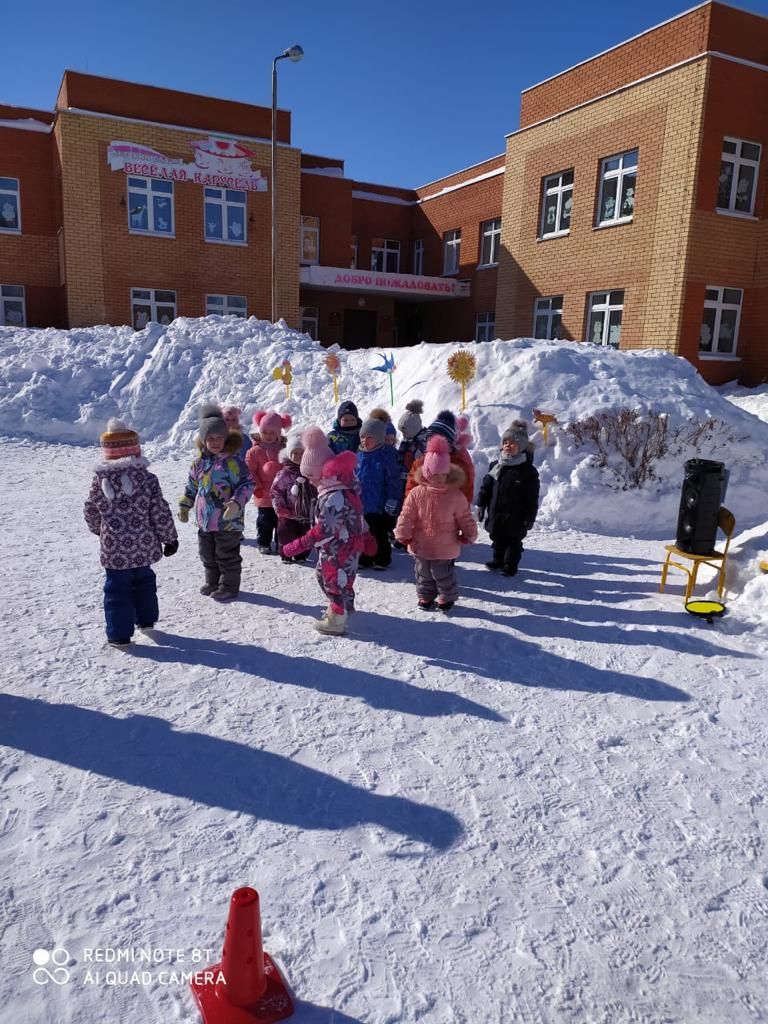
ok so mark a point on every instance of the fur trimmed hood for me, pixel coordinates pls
(108, 465)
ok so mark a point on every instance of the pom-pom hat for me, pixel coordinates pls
(263, 420)
(517, 432)
(409, 423)
(317, 452)
(437, 459)
(118, 441)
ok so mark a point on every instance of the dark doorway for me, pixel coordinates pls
(408, 320)
(359, 328)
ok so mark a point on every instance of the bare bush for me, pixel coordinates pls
(629, 444)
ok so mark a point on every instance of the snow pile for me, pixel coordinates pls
(64, 385)
(754, 400)
(744, 578)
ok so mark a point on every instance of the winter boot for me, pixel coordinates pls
(332, 623)
(119, 643)
(445, 606)
(209, 588)
(426, 606)
(223, 594)
(493, 565)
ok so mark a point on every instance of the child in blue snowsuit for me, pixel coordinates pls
(379, 474)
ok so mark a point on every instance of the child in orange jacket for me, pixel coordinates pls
(435, 521)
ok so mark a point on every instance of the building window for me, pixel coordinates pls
(385, 255)
(226, 305)
(451, 251)
(485, 327)
(10, 206)
(353, 253)
(151, 304)
(605, 310)
(310, 321)
(418, 256)
(548, 317)
(490, 239)
(13, 310)
(739, 164)
(310, 239)
(556, 204)
(226, 216)
(150, 206)
(618, 188)
(720, 325)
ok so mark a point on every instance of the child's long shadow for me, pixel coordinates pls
(546, 625)
(577, 589)
(499, 655)
(310, 673)
(147, 752)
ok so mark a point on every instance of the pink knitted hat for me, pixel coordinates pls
(263, 420)
(438, 457)
(317, 452)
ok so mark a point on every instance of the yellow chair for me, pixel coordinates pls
(716, 560)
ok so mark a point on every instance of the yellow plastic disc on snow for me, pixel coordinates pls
(705, 609)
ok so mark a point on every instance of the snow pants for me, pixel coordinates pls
(130, 599)
(379, 524)
(220, 554)
(508, 547)
(337, 583)
(436, 577)
(288, 530)
(266, 527)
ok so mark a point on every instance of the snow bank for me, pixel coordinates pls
(754, 400)
(64, 385)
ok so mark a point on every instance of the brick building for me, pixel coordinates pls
(634, 208)
(629, 209)
(130, 203)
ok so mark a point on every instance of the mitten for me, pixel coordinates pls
(390, 507)
(183, 513)
(294, 548)
(171, 549)
(231, 510)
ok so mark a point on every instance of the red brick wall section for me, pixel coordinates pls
(738, 33)
(330, 199)
(668, 44)
(31, 258)
(149, 103)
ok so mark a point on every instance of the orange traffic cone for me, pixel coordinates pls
(246, 986)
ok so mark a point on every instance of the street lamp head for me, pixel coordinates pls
(294, 53)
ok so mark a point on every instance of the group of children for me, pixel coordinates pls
(347, 494)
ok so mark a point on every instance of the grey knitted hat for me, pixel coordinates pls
(409, 423)
(375, 428)
(517, 431)
(212, 422)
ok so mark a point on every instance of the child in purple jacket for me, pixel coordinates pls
(293, 497)
(128, 513)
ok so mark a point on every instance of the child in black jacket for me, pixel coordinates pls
(509, 498)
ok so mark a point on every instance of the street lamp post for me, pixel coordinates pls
(293, 53)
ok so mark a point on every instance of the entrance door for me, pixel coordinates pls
(359, 328)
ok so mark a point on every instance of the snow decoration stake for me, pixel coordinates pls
(284, 372)
(545, 419)
(333, 365)
(387, 366)
(462, 367)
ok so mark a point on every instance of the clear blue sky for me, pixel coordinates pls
(404, 91)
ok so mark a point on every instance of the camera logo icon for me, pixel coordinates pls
(49, 966)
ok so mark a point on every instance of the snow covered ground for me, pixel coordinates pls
(546, 808)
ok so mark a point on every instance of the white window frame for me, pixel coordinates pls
(451, 252)
(225, 199)
(719, 304)
(738, 162)
(549, 307)
(226, 305)
(310, 322)
(418, 256)
(490, 231)
(386, 248)
(619, 174)
(155, 188)
(611, 304)
(5, 297)
(485, 327)
(354, 250)
(310, 231)
(7, 191)
(153, 302)
(553, 185)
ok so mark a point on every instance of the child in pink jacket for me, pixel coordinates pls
(435, 521)
(263, 462)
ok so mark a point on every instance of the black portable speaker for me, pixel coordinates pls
(700, 500)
